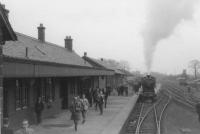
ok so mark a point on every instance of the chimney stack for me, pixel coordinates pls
(85, 54)
(68, 43)
(26, 52)
(41, 33)
(5, 10)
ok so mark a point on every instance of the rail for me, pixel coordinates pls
(152, 110)
(181, 99)
(161, 115)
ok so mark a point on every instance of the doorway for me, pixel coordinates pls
(64, 93)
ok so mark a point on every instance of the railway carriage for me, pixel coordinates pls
(148, 85)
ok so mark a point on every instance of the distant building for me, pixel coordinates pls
(112, 81)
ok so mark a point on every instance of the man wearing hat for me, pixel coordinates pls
(5, 129)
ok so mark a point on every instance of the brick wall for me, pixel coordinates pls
(16, 116)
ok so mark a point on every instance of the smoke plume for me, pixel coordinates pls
(163, 16)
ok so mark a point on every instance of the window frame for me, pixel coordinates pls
(21, 94)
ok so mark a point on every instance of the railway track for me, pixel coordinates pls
(179, 97)
(183, 91)
(153, 114)
(159, 111)
(146, 118)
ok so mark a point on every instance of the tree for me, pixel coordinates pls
(194, 65)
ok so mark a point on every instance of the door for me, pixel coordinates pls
(64, 93)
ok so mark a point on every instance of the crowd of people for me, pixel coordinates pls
(79, 107)
(121, 90)
(96, 98)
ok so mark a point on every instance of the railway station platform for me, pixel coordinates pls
(111, 122)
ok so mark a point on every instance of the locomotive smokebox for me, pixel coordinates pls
(148, 84)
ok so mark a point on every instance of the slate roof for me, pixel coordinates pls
(41, 51)
(104, 64)
(8, 33)
(126, 72)
(109, 66)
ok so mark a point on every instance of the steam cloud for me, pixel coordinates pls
(163, 17)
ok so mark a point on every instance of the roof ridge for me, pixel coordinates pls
(42, 52)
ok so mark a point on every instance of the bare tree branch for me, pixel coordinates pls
(194, 65)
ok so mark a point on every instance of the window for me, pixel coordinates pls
(21, 94)
(47, 90)
(50, 90)
(72, 87)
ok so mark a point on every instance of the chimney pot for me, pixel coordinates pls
(85, 54)
(101, 59)
(27, 52)
(41, 33)
(3, 5)
(68, 43)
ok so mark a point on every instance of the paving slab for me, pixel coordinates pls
(112, 120)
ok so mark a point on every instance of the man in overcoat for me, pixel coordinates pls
(101, 102)
(85, 106)
(39, 107)
(76, 109)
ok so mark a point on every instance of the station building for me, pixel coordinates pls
(112, 81)
(36, 68)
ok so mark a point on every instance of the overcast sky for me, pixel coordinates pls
(107, 29)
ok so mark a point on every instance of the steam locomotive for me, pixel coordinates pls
(148, 85)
